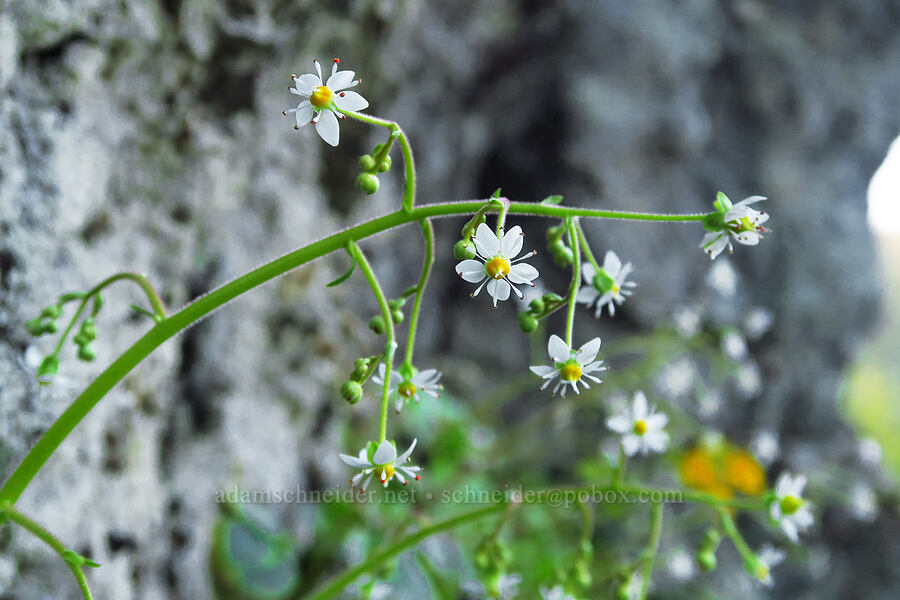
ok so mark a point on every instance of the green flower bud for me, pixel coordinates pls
(623, 592)
(385, 165)
(711, 538)
(51, 312)
(89, 329)
(35, 327)
(551, 298)
(537, 306)
(80, 339)
(707, 560)
(556, 246)
(376, 324)
(48, 367)
(583, 574)
(464, 249)
(553, 233)
(367, 163)
(527, 322)
(564, 258)
(362, 363)
(367, 183)
(351, 391)
(396, 303)
(397, 316)
(86, 353)
(358, 373)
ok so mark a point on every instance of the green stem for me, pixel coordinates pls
(390, 345)
(576, 278)
(731, 530)
(336, 585)
(586, 248)
(501, 216)
(48, 443)
(159, 310)
(428, 236)
(49, 539)
(409, 166)
(656, 517)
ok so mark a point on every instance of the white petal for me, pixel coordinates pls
(611, 264)
(339, 80)
(657, 422)
(327, 127)
(657, 442)
(587, 295)
(350, 101)
(307, 83)
(785, 485)
(471, 270)
(522, 273)
(543, 371)
(790, 529)
(558, 349)
(303, 113)
(804, 517)
(498, 289)
(748, 238)
(594, 366)
(714, 242)
(354, 462)
(587, 272)
(588, 352)
(402, 458)
(619, 424)
(640, 409)
(379, 377)
(631, 444)
(385, 454)
(486, 242)
(512, 243)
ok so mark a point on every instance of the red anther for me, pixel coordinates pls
(351, 482)
(337, 61)
(284, 112)
(296, 127)
(417, 477)
(341, 94)
(294, 76)
(406, 483)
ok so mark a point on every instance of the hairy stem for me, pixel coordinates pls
(51, 540)
(390, 345)
(428, 236)
(656, 516)
(576, 277)
(48, 443)
(586, 247)
(336, 585)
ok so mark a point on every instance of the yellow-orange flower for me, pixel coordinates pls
(723, 470)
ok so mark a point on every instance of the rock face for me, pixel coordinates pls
(147, 136)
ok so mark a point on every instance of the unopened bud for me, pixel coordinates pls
(376, 324)
(51, 312)
(351, 391)
(86, 353)
(564, 258)
(464, 249)
(385, 165)
(707, 560)
(537, 306)
(527, 322)
(397, 316)
(367, 183)
(367, 163)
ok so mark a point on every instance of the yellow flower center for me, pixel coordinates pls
(321, 96)
(571, 372)
(407, 389)
(616, 289)
(388, 472)
(744, 224)
(640, 427)
(762, 571)
(497, 267)
(790, 504)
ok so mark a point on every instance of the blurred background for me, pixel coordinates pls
(147, 135)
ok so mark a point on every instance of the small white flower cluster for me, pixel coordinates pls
(323, 103)
(384, 462)
(737, 222)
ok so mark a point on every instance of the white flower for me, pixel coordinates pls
(570, 366)
(641, 429)
(322, 102)
(495, 265)
(383, 462)
(608, 287)
(789, 509)
(768, 558)
(739, 223)
(403, 390)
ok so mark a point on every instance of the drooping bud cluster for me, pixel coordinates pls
(372, 164)
(538, 309)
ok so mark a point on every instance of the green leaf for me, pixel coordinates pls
(343, 277)
(551, 200)
(143, 311)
